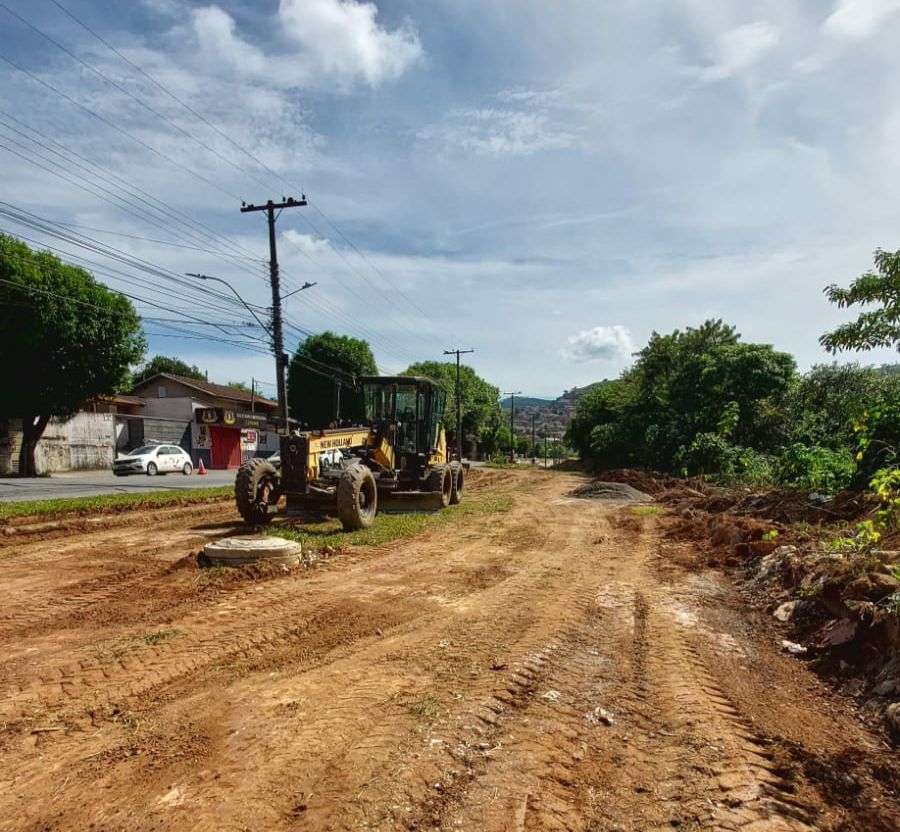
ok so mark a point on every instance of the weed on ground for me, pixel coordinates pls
(111, 503)
(389, 527)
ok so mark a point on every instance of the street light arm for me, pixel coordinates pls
(306, 285)
(226, 283)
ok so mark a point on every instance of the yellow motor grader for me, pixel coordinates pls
(398, 454)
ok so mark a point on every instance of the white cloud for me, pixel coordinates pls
(602, 343)
(336, 41)
(501, 131)
(857, 19)
(216, 33)
(740, 48)
(307, 243)
(341, 37)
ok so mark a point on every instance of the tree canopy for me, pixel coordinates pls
(64, 337)
(688, 390)
(479, 397)
(164, 364)
(321, 364)
(876, 327)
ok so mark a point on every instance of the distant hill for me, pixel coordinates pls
(576, 393)
(525, 401)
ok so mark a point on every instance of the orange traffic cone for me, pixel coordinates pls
(200, 469)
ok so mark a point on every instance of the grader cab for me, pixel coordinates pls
(398, 453)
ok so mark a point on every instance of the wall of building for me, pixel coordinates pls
(174, 407)
(87, 441)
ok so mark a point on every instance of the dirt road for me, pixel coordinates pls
(557, 666)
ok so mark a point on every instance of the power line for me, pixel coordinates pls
(118, 129)
(166, 210)
(123, 90)
(168, 92)
(34, 221)
(229, 139)
(181, 295)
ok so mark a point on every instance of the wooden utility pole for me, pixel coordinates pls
(512, 423)
(281, 358)
(533, 460)
(458, 352)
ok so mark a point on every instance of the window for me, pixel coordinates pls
(162, 391)
(406, 417)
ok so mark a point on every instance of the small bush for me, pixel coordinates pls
(815, 468)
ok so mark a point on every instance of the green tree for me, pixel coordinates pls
(879, 326)
(321, 364)
(701, 382)
(164, 364)
(825, 402)
(238, 385)
(479, 397)
(64, 338)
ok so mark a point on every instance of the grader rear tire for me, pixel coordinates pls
(440, 481)
(357, 498)
(459, 477)
(255, 489)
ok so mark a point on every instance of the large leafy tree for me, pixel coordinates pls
(878, 326)
(479, 397)
(698, 382)
(164, 364)
(64, 338)
(321, 364)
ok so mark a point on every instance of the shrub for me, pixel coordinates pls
(815, 467)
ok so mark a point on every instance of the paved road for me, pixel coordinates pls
(92, 483)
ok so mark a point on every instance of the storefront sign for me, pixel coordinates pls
(230, 418)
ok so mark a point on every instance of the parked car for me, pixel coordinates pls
(153, 460)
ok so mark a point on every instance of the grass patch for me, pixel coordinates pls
(160, 636)
(111, 503)
(646, 511)
(426, 708)
(389, 527)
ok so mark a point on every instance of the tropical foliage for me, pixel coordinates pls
(703, 402)
(64, 338)
(321, 379)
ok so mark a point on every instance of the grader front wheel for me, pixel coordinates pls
(256, 488)
(357, 498)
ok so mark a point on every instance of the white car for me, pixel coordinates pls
(153, 460)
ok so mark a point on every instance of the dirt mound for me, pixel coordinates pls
(600, 490)
(650, 482)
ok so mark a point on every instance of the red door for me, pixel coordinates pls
(226, 447)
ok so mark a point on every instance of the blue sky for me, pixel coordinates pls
(547, 183)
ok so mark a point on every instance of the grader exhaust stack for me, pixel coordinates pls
(397, 458)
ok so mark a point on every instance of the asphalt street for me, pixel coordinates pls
(92, 483)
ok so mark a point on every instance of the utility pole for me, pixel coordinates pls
(277, 332)
(458, 352)
(252, 394)
(512, 423)
(533, 460)
(545, 451)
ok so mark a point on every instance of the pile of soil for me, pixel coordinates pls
(838, 609)
(780, 505)
(599, 490)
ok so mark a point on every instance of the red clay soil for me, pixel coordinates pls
(562, 665)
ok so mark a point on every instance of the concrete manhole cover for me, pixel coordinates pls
(234, 551)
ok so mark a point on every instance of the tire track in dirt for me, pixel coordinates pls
(525, 671)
